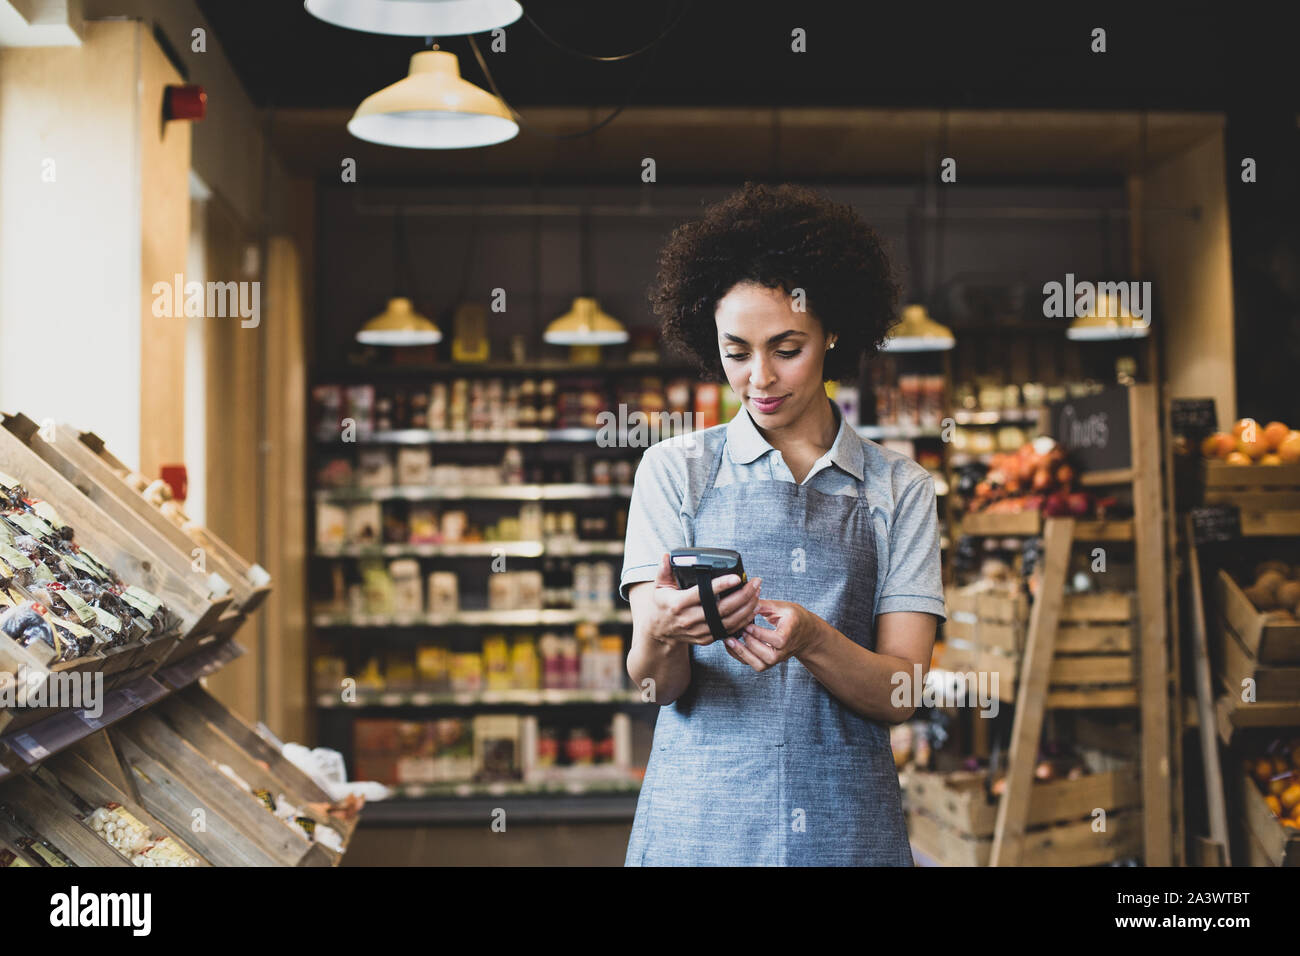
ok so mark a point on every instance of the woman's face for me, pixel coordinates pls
(771, 351)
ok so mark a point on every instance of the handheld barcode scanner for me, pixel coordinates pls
(699, 566)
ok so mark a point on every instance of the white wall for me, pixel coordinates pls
(70, 253)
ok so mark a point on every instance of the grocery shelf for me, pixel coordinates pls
(471, 549)
(898, 431)
(365, 374)
(609, 785)
(429, 436)
(995, 417)
(536, 808)
(552, 697)
(555, 492)
(537, 618)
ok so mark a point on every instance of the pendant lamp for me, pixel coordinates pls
(417, 18)
(585, 326)
(917, 332)
(399, 324)
(433, 108)
(1107, 321)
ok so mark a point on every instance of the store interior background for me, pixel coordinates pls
(253, 192)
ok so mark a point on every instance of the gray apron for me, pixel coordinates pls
(769, 769)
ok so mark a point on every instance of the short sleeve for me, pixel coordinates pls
(654, 517)
(913, 581)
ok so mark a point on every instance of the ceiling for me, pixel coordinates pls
(1186, 55)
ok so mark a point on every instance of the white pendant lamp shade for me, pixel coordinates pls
(1108, 321)
(399, 324)
(917, 332)
(417, 18)
(433, 108)
(585, 324)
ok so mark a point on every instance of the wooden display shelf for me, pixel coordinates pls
(174, 779)
(75, 773)
(1030, 523)
(1270, 524)
(52, 816)
(109, 539)
(951, 820)
(1253, 488)
(1093, 664)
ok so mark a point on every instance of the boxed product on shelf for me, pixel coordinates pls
(497, 748)
(408, 590)
(374, 469)
(466, 672)
(332, 525)
(365, 524)
(413, 465)
(444, 593)
(431, 667)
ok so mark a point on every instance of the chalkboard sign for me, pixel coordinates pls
(1216, 523)
(1193, 418)
(1094, 430)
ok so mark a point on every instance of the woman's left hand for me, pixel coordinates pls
(796, 628)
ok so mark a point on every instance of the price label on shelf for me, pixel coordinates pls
(29, 746)
(391, 699)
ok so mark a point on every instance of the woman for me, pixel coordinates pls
(772, 747)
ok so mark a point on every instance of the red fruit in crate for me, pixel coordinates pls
(1057, 505)
(1080, 504)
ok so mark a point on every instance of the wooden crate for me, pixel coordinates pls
(1280, 844)
(1093, 664)
(192, 723)
(1002, 620)
(240, 732)
(1264, 638)
(182, 774)
(251, 582)
(49, 813)
(1248, 645)
(110, 540)
(1253, 488)
(1002, 524)
(951, 820)
(72, 771)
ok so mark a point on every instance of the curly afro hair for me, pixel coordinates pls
(784, 237)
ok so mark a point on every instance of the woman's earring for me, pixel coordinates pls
(831, 346)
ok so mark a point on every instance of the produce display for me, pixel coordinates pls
(286, 811)
(1251, 443)
(1037, 477)
(1276, 773)
(128, 836)
(56, 593)
(1276, 590)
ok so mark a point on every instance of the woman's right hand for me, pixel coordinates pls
(678, 616)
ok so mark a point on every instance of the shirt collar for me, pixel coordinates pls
(745, 444)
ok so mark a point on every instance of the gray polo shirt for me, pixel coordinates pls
(670, 480)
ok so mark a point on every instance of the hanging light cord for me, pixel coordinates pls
(652, 46)
(609, 59)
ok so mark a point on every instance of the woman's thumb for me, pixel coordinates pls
(664, 578)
